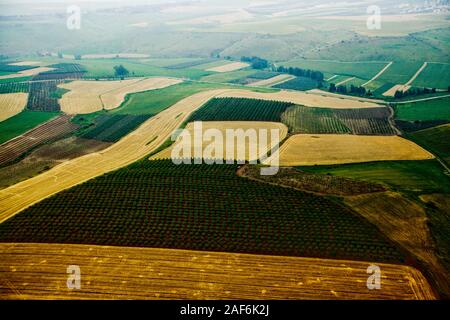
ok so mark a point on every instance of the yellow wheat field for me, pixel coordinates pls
(229, 67)
(91, 96)
(324, 149)
(12, 104)
(217, 149)
(303, 98)
(39, 271)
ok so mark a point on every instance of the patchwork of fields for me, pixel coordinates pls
(347, 147)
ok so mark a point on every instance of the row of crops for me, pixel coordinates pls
(370, 121)
(111, 128)
(14, 68)
(299, 119)
(240, 109)
(199, 207)
(62, 71)
(42, 96)
(13, 87)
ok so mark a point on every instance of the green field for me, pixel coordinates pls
(20, 79)
(240, 109)
(363, 70)
(22, 122)
(400, 72)
(298, 83)
(371, 121)
(437, 109)
(98, 68)
(435, 140)
(435, 75)
(199, 207)
(411, 176)
(228, 76)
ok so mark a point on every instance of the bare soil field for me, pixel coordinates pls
(241, 148)
(148, 137)
(91, 96)
(39, 271)
(441, 201)
(233, 66)
(302, 98)
(48, 131)
(27, 73)
(12, 104)
(320, 149)
(406, 223)
(272, 81)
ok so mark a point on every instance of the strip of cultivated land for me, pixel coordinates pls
(217, 149)
(91, 96)
(148, 137)
(273, 81)
(302, 98)
(12, 104)
(306, 149)
(38, 271)
(48, 131)
(27, 73)
(229, 67)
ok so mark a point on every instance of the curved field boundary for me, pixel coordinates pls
(313, 99)
(147, 138)
(327, 149)
(12, 104)
(91, 96)
(39, 271)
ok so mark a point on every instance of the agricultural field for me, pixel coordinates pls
(266, 219)
(42, 96)
(406, 176)
(400, 72)
(175, 274)
(364, 70)
(229, 67)
(47, 156)
(271, 82)
(435, 75)
(298, 83)
(12, 104)
(62, 71)
(217, 149)
(430, 110)
(14, 87)
(369, 121)
(240, 109)
(146, 139)
(318, 183)
(111, 128)
(310, 150)
(229, 77)
(51, 130)
(26, 73)
(91, 96)
(307, 99)
(434, 139)
(22, 122)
